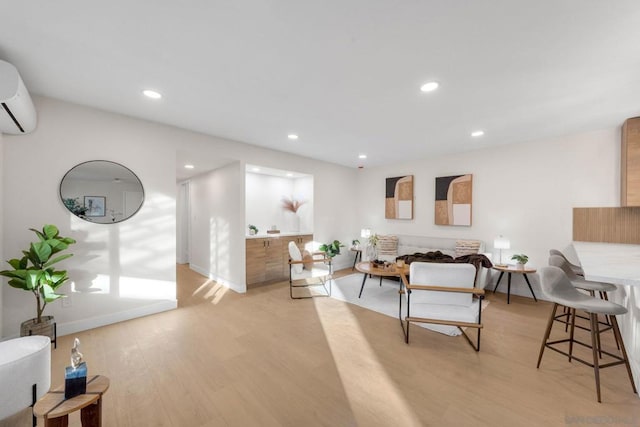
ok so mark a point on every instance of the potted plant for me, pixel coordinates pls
(253, 230)
(521, 260)
(331, 249)
(34, 273)
(355, 244)
(372, 247)
(75, 207)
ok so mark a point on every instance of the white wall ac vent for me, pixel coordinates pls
(17, 113)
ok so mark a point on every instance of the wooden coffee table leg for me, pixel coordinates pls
(91, 416)
(57, 422)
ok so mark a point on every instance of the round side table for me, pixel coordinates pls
(55, 409)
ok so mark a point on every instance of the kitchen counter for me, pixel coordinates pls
(618, 264)
(610, 262)
(281, 234)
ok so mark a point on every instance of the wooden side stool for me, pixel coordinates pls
(55, 409)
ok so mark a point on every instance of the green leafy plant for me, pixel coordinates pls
(254, 228)
(331, 249)
(520, 258)
(74, 206)
(33, 272)
(355, 242)
(373, 240)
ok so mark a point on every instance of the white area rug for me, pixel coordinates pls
(383, 299)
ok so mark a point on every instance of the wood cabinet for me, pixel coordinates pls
(256, 260)
(630, 167)
(267, 258)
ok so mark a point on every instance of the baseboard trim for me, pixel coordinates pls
(108, 319)
(241, 289)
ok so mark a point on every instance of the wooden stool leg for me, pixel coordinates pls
(547, 333)
(57, 422)
(91, 416)
(616, 332)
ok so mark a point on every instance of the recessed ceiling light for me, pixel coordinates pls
(189, 166)
(255, 169)
(152, 94)
(292, 136)
(362, 156)
(477, 133)
(289, 174)
(429, 87)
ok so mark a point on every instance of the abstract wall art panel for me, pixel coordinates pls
(399, 198)
(453, 200)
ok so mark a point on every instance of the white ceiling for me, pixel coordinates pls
(343, 75)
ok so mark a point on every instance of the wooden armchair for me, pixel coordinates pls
(441, 294)
(309, 273)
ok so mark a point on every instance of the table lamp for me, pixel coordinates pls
(365, 233)
(501, 243)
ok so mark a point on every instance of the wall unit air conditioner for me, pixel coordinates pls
(17, 113)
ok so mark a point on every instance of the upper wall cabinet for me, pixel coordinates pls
(630, 167)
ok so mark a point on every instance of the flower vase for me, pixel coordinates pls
(293, 221)
(372, 253)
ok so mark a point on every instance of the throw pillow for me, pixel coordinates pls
(295, 255)
(306, 256)
(467, 247)
(387, 247)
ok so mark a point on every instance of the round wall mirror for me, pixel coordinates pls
(101, 191)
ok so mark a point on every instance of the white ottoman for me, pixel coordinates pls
(23, 362)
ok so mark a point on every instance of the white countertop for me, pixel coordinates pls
(281, 234)
(610, 262)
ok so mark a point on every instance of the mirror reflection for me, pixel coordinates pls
(101, 191)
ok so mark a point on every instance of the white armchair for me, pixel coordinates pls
(25, 374)
(441, 294)
(310, 272)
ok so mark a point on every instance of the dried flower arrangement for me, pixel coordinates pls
(292, 205)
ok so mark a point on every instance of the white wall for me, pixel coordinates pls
(182, 223)
(143, 250)
(119, 271)
(4, 265)
(264, 195)
(303, 190)
(217, 229)
(525, 192)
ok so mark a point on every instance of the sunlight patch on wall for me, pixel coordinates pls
(219, 261)
(137, 288)
(100, 285)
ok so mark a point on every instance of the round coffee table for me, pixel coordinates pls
(368, 269)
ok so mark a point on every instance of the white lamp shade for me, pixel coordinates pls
(365, 233)
(501, 243)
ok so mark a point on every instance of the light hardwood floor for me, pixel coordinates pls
(262, 359)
